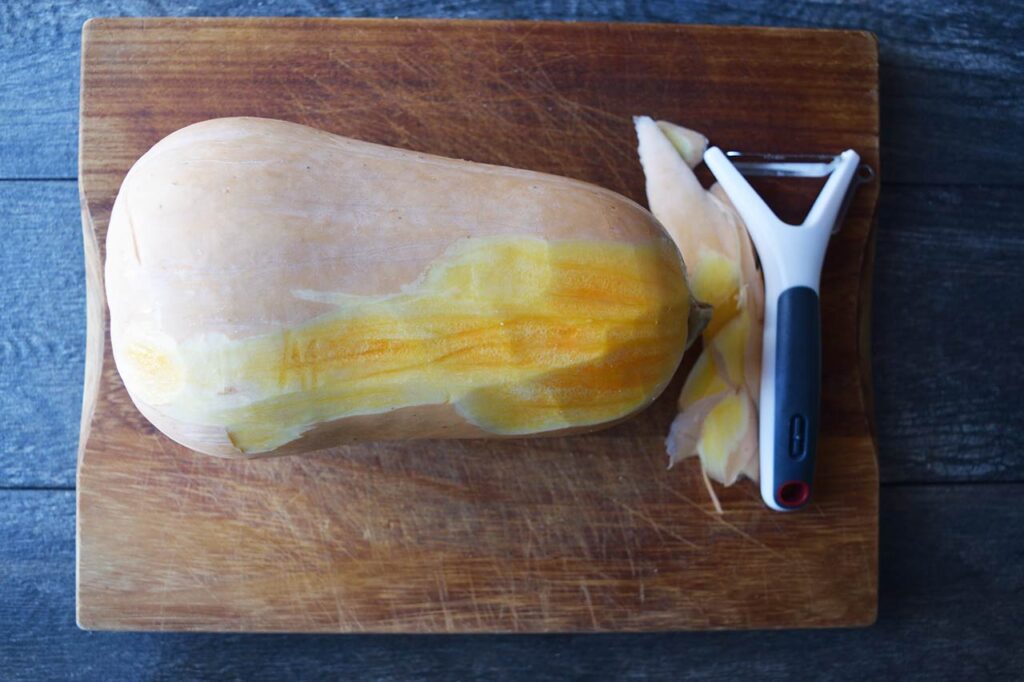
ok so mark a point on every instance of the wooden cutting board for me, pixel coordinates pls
(571, 534)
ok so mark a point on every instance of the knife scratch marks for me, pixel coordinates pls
(442, 593)
(590, 605)
(659, 528)
(719, 518)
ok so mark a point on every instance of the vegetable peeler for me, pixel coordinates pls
(791, 259)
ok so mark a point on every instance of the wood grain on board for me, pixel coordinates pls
(570, 534)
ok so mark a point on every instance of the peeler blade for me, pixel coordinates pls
(774, 165)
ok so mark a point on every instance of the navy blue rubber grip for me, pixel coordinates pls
(797, 394)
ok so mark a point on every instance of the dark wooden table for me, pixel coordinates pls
(948, 372)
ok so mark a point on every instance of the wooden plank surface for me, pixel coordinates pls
(915, 638)
(950, 410)
(949, 605)
(572, 534)
(42, 335)
(946, 68)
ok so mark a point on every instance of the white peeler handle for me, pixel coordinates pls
(791, 260)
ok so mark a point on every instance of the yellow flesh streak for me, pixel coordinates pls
(716, 281)
(156, 367)
(720, 362)
(702, 381)
(724, 428)
(522, 335)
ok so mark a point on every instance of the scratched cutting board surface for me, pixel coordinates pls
(568, 534)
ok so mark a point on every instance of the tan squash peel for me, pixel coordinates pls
(717, 419)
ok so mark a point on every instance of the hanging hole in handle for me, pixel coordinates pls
(865, 173)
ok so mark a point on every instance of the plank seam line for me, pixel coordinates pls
(41, 179)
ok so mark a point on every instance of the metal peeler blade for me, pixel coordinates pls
(769, 165)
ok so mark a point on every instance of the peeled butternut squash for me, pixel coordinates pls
(274, 288)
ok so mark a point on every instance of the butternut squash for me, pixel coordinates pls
(275, 288)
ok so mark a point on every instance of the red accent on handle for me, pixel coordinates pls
(793, 493)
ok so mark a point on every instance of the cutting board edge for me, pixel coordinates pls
(95, 24)
(97, 325)
(82, 621)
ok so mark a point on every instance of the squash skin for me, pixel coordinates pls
(231, 232)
